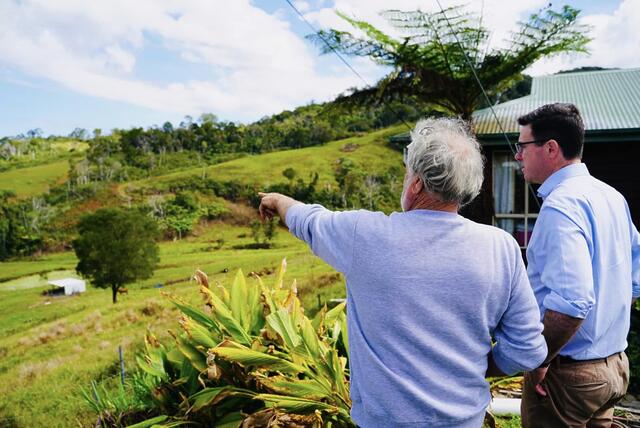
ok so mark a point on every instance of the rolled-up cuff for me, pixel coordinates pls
(522, 360)
(573, 308)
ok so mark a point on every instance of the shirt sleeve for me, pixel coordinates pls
(519, 341)
(635, 262)
(329, 234)
(568, 272)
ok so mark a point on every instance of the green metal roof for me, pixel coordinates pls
(607, 100)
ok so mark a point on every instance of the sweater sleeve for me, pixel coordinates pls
(330, 234)
(519, 341)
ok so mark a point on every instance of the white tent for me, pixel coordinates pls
(70, 285)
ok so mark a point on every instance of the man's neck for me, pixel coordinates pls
(428, 201)
(561, 165)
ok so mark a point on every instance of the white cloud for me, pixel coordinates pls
(616, 42)
(258, 65)
(250, 63)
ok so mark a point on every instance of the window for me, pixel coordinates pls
(516, 205)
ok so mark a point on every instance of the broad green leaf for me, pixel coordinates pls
(175, 356)
(226, 319)
(331, 316)
(295, 404)
(200, 335)
(151, 367)
(335, 331)
(205, 397)
(232, 420)
(310, 389)
(310, 339)
(267, 295)
(282, 324)
(197, 359)
(149, 422)
(196, 315)
(238, 300)
(318, 320)
(338, 373)
(224, 294)
(279, 283)
(212, 396)
(248, 357)
(345, 335)
(255, 309)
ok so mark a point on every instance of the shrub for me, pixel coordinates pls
(251, 357)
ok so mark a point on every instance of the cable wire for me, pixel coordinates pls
(344, 61)
(484, 93)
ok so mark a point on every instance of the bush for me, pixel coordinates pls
(250, 357)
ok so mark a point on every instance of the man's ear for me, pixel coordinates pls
(416, 185)
(553, 149)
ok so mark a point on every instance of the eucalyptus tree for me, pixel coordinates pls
(440, 56)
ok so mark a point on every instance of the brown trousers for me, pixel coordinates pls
(579, 394)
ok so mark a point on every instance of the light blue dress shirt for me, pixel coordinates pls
(584, 260)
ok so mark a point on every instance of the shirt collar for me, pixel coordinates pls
(569, 171)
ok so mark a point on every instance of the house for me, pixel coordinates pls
(609, 101)
(70, 285)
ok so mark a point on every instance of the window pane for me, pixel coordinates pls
(516, 228)
(508, 185)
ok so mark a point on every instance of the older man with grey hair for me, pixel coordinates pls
(428, 291)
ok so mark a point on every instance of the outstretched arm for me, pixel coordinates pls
(272, 204)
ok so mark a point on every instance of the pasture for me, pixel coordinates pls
(34, 180)
(52, 347)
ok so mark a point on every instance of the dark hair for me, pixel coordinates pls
(560, 122)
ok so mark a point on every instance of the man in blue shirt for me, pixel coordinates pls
(584, 267)
(426, 290)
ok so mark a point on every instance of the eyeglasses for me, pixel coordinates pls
(520, 144)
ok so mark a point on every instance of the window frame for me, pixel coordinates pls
(526, 215)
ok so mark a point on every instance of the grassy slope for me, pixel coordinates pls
(372, 153)
(34, 180)
(51, 347)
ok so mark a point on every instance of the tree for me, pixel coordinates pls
(289, 173)
(435, 61)
(79, 134)
(116, 247)
(34, 133)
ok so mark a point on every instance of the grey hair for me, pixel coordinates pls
(447, 158)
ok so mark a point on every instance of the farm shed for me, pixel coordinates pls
(70, 285)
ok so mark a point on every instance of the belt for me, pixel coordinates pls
(562, 359)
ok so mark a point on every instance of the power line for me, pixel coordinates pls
(484, 93)
(344, 61)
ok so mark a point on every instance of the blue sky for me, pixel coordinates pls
(116, 64)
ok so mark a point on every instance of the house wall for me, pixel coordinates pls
(617, 164)
(481, 209)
